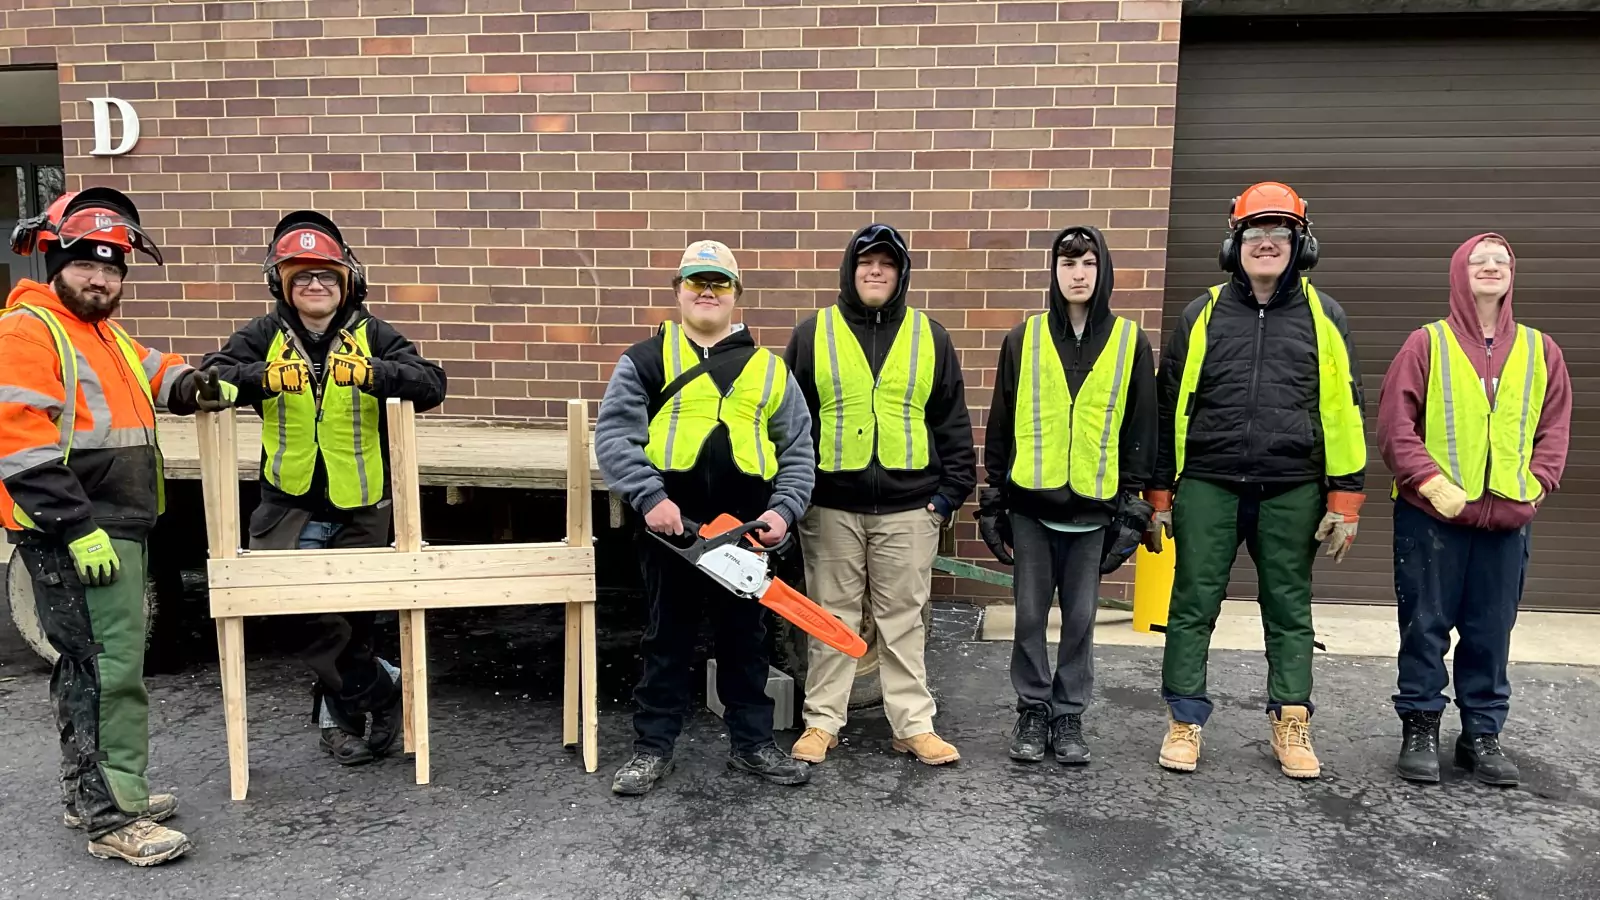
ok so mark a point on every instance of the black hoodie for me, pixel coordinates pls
(398, 370)
(1137, 454)
(951, 472)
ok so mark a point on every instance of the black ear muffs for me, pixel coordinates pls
(1307, 252)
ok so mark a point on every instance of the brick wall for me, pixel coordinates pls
(29, 140)
(521, 175)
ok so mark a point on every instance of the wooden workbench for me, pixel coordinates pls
(453, 452)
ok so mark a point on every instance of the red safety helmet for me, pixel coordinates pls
(98, 214)
(311, 237)
(1268, 198)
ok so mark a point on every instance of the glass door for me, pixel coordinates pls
(28, 185)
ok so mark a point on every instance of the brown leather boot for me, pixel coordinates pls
(141, 843)
(814, 745)
(1291, 741)
(1180, 750)
(928, 748)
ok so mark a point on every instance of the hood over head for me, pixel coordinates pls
(1463, 316)
(1105, 281)
(879, 236)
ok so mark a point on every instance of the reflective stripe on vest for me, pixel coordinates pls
(1344, 441)
(857, 413)
(341, 424)
(103, 434)
(1472, 440)
(1062, 439)
(681, 426)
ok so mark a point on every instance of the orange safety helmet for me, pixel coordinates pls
(1268, 198)
(99, 214)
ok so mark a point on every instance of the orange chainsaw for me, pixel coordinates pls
(728, 553)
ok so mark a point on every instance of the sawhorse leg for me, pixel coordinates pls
(591, 711)
(230, 652)
(569, 705)
(414, 677)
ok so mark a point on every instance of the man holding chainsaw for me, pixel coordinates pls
(82, 488)
(318, 369)
(894, 461)
(698, 422)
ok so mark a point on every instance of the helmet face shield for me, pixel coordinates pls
(105, 225)
(305, 244)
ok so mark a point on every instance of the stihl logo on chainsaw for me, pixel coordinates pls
(727, 552)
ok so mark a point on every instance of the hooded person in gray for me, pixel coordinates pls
(1093, 415)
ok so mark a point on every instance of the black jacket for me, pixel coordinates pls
(1255, 418)
(1137, 440)
(398, 370)
(951, 472)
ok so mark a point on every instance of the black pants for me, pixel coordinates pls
(102, 711)
(679, 595)
(1053, 564)
(1468, 579)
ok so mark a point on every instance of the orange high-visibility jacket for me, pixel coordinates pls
(68, 470)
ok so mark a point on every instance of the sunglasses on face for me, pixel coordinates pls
(1485, 259)
(717, 287)
(326, 279)
(1278, 235)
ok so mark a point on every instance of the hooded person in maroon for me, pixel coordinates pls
(1467, 489)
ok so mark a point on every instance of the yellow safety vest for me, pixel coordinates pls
(1344, 442)
(1476, 439)
(680, 428)
(858, 414)
(338, 423)
(66, 423)
(1062, 439)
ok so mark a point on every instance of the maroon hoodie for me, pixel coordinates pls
(1403, 403)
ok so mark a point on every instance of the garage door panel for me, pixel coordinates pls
(1404, 147)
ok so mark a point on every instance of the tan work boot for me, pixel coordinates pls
(141, 843)
(162, 807)
(1291, 741)
(1180, 750)
(814, 745)
(928, 748)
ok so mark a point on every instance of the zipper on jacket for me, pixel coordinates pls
(1252, 401)
(872, 462)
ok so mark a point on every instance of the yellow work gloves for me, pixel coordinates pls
(348, 368)
(286, 376)
(95, 559)
(1337, 530)
(1445, 495)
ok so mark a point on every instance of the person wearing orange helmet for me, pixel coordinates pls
(80, 490)
(318, 369)
(1260, 442)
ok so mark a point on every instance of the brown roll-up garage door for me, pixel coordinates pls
(1406, 137)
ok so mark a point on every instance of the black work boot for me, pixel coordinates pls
(345, 747)
(386, 726)
(772, 764)
(639, 774)
(1031, 738)
(1066, 733)
(1481, 755)
(1419, 747)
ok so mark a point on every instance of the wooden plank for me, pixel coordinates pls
(230, 646)
(407, 697)
(310, 570)
(406, 488)
(227, 491)
(570, 683)
(381, 596)
(450, 452)
(591, 690)
(205, 426)
(417, 651)
(580, 505)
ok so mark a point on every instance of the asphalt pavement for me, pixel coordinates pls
(511, 814)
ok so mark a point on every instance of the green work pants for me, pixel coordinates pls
(102, 710)
(1278, 528)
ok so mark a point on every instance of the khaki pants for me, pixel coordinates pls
(883, 563)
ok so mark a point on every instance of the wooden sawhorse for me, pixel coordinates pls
(406, 577)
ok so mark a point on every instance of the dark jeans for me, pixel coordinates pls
(1049, 563)
(1209, 522)
(102, 710)
(679, 595)
(1468, 579)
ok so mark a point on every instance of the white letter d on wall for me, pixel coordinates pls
(102, 126)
